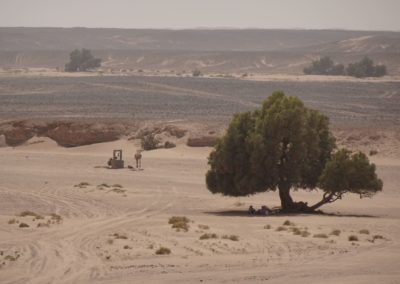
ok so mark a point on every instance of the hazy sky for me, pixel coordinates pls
(310, 14)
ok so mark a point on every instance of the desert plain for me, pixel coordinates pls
(85, 223)
(65, 217)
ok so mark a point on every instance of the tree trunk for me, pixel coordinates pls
(324, 200)
(287, 203)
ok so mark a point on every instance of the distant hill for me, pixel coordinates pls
(225, 51)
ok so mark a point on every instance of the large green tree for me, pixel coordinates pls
(82, 60)
(281, 146)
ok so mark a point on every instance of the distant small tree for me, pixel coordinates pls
(82, 60)
(365, 68)
(324, 66)
(196, 73)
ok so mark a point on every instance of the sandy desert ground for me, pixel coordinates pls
(89, 224)
(109, 230)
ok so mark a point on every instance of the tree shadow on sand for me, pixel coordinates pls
(245, 213)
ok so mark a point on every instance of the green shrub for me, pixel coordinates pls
(150, 142)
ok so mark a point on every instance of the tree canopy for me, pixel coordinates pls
(365, 68)
(361, 69)
(324, 66)
(82, 60)
(284, 145)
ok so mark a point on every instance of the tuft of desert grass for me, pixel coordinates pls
(203, 227)
(127, 247)
(12, 221)
(82, 184)
(110, 241)
(30, 214)
(23, 225)
(353, 238)
(230, 237)
(364, 231)
(321, 236)
(117, 185)
(296, 231)
(120, 236)
(267, 227)
(288, 223)
(378, 237)
(208, 236)
(305, 234)
(335, 233)
(163, 250)
(280, 228)
(55, 217)
(103, 185)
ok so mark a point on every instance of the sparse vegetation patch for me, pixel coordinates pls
(179, 223)
(163, 251)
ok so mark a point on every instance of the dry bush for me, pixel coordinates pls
(280, 228)
(267, 227)
(378, 237)
(42, 225)
(23, 225)
(163, 250)
(288, 223)
(110, 241)
(117, 185)
(364, 231)
(321, 236)
(305, 234)
(82, 184)
(31, 214)
(353, 238)
(231, 237)
(127, 247)
(179, 223)
(169, 145)
(204, 141)
(12, 221)
(103, 185)
(208, 236)
(296, 231)
(203, 227)
(335, 233)
(120, 236)
(373, 152)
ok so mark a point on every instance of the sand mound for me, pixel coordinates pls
(67, 134)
